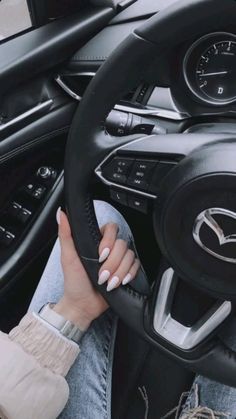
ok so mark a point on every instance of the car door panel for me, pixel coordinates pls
(37, 131)
(44, 48)
(91, 56)
(35, 116)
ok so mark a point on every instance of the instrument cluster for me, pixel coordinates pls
(209, 68)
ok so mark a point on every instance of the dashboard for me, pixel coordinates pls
(196, 79)
(203, 74)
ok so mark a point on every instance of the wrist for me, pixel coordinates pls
(73, 314)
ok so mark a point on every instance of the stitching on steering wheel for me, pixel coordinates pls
(134, 293)
(89, 259)
(91, 220)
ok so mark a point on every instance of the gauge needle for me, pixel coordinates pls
(213, 74)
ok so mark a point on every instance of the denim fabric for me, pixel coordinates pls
(90, 377)
(209, 399)
(210, 395)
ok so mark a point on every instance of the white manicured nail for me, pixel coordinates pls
(103, 277)
(58, 216)
(126, 279)
(113, 283)
(104, 255)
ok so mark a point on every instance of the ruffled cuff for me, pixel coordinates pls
(48, 347)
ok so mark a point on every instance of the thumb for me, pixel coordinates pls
(64, 233)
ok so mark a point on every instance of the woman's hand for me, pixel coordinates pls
(120, 265)
(81, 303)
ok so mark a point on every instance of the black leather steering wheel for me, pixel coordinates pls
(189, 204)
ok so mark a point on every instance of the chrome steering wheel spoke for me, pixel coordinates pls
(183, 337)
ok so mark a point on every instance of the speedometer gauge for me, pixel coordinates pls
(210, 68)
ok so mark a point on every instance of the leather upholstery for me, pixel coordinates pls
(98, 49)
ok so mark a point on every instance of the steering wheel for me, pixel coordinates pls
(193, 199)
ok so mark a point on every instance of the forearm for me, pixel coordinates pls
(33, 363)
(45, 344)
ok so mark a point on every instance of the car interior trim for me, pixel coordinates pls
(59, 80)
(66, 88)
(167, 327)
(44, 127)
(173, 113)
(158, 112)
(45, 106)
(33, 143)
(59, 38)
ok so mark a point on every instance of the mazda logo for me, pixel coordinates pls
(207, 219)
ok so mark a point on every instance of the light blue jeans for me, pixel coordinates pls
(90, 378)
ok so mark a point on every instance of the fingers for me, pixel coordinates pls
(113, 261)
(122, 271)
(109, 233)
(124, 274)
(132, 272)
(121, 267)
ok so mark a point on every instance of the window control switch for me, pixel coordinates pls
(14, 209)
(2, 232)
(29, 188)
(23, 215)
(39, 192)
(6, 237)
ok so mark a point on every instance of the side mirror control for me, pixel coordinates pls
(46, 173)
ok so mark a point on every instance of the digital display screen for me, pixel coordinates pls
(14, 17)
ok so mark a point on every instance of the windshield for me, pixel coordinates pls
(14, 17)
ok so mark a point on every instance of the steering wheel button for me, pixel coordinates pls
(145, 166)
(138, 183)
(118, 169)
(119, 197)
(137, 203)
(117, 177)
(141, 174)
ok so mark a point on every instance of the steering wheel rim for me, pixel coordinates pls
(89, 144)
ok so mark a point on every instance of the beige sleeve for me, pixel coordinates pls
(33, 363)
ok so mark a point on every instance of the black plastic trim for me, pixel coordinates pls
(55, 122)
(141, 9)
(92, 55)
(48, 46)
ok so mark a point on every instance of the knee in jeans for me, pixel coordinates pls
(189, 407)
